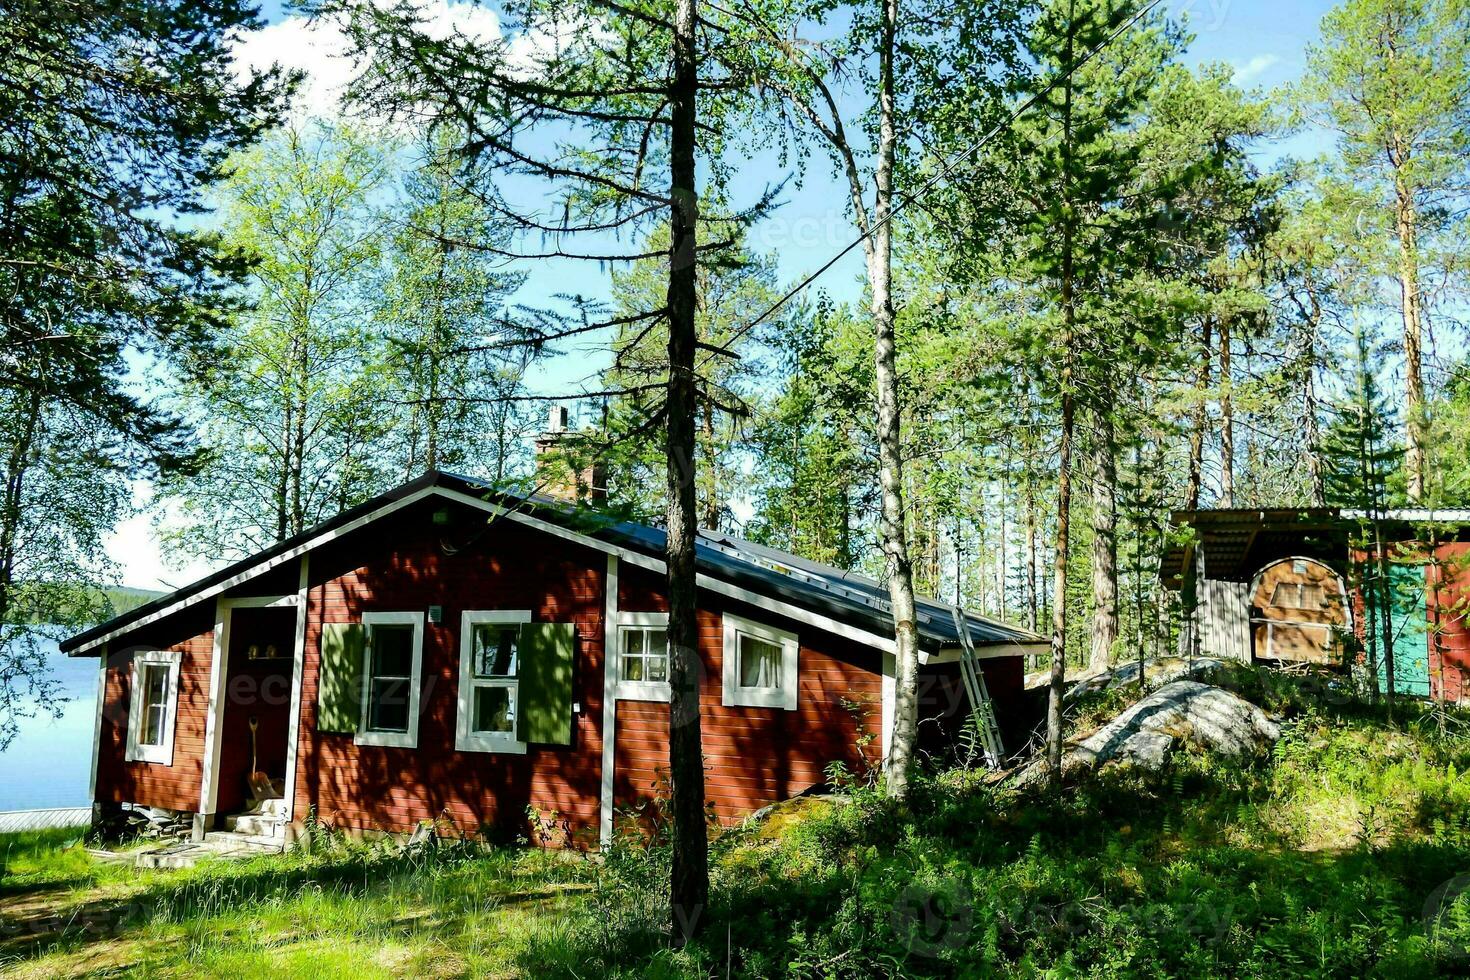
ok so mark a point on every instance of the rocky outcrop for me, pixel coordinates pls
(1147, 732)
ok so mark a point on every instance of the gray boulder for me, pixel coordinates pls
(1147, 732)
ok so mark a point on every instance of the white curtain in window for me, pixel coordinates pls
(760, 663)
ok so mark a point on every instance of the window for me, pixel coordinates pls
(643, 656)
(1296, 595)
(393, 663)
(759, 666)
(489, 668)
(154, 700)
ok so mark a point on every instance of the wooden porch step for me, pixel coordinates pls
(252, 824)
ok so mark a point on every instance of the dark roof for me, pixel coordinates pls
(1238, 542)
(852, 599)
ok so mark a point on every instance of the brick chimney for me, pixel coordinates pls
(564, 470)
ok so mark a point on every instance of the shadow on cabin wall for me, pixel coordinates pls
(459, 564)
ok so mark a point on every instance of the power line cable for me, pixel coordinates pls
(942, 173)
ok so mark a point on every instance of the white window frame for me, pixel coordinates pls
(163, 753)
(746, 697)
(638, 690)
(410, 738)
(466, 740)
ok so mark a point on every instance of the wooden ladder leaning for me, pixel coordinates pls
(982, 709)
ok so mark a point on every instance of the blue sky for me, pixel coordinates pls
(1265, 41)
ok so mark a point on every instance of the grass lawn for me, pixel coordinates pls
(351, 912)
(1339, 855)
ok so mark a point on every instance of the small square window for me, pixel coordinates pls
(760, 663)
(759, 668)
(495, 649)
(645, 654)
(641, 660)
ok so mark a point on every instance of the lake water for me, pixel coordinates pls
(49, 764)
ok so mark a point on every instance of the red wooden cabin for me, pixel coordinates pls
(446, 651)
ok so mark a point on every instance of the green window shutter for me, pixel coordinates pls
(339, 682)
(544, 712)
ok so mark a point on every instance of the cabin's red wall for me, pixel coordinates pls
(944, 707)
(1449, 640)
(753, 756)
(407, 562)
(175, 786)
(402, 565)
(1446, 606)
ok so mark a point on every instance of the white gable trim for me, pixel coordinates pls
(257, 570)
(878, 641)
(990, 651)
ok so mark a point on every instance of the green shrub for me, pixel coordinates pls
(1316, 861)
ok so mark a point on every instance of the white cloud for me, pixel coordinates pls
(1254, 68)
(320, 50)
(133, 546)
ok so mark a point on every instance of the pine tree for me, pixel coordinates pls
(1360, 459)
(117, 115)
(1392, 80)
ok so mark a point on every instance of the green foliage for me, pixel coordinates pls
(735, 287)
(451, 365)
(1361, 459)
(1321, 860)
(1318, 861)
(117, 115)
(1449, 440)
(816, 479)
(291, 416)
(1392, 79)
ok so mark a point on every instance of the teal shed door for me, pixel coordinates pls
(1409, 618)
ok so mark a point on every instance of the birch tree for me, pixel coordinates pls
(901, 51)
(292, 417)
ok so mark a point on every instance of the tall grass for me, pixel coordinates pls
(342, 909)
